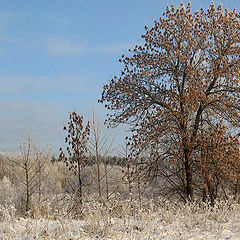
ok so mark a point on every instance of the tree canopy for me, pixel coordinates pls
(184, 78)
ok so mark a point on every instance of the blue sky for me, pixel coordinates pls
(56, 55)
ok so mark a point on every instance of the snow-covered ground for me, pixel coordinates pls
(116, 221)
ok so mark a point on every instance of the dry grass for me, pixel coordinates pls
(59, 216)
(124, 219)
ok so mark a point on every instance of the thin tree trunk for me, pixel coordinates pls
(139, 189)
(236, 193)
(211, 190)
(204, 196)
(99, 178)
(184, 179)
(129, 181)
(79, 182)
(106, 180)
(189, 179)
(27, 190)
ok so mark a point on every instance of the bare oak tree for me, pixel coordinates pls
(186, 72)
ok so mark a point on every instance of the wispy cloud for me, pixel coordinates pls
(6, 38)
(27, 84)
(115, 48)
(43, 122)
(53, 46)
(65, 47)
(11, 17)
(40, 120)
(62, 47)
(59, 20)
(7, 21)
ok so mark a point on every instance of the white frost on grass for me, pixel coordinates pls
(165, 221)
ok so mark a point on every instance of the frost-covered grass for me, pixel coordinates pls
(122, 219)
(58, 215)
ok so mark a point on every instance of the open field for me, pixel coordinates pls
(126, 220)
(56, 213)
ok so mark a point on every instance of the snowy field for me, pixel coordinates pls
(120, 221)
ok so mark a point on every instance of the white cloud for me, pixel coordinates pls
(54, 46)
(5, 38)
(64, 47)
(115, 48)
(59, 20)
(44, 123)
(27, 84)
(20, 118)
(10, 19)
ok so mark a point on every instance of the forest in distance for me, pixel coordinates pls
(177, 175)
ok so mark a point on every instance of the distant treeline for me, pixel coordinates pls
(91, 160)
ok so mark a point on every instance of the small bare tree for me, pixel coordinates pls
(29, 169)
(76, 139)
(100, 146)
(127, 174)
